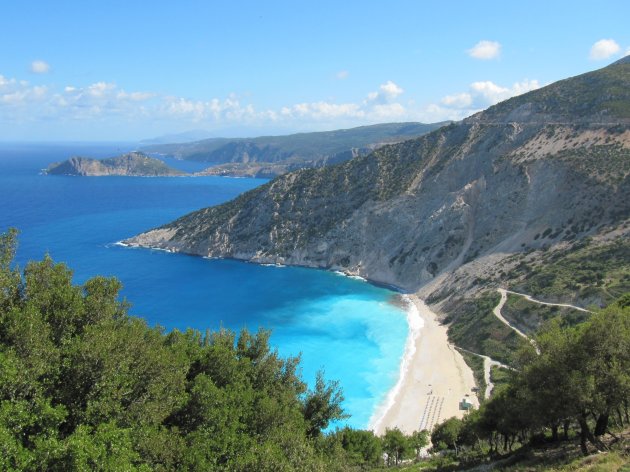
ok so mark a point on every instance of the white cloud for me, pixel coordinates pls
(480, 95)
(492, 93)
(603, 49)
(390, 89)
(460, 100)
(322, 110)
(40, 67)
(387, 93)
(229, 109)
(388, 111)
(105, 103)
(100, 89)
(134, 96)
(378, 106)
(485, 50)
(4, 82)
(343, 74)
(627, 52)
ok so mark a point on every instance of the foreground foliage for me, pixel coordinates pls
(84, 386)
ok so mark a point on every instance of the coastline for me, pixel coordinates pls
(433, 378)
(415, 324)
(431, 370)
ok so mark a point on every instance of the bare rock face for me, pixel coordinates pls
(409, 212)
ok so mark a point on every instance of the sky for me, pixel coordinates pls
(130, 70)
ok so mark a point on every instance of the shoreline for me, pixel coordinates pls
(434, 378)
(415, 323)
(431, 370)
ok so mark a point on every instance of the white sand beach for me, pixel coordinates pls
(433, 382)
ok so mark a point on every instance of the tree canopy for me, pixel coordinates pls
(85, 386)
(580, 379)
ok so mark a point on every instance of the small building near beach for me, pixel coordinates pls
(465, 405)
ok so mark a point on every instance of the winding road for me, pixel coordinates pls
(488, 362)
(497, 311)
(533, 300)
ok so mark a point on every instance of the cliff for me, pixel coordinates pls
(546, 169)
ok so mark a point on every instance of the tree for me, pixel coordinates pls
(322, 405)
(446, 434)
(418, 441)
(362, 447)
(85, 386)
(395, 445)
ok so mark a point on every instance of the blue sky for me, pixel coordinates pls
(83, 70)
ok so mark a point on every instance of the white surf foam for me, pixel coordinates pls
(415, 323)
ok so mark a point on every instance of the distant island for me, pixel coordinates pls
(133, 164)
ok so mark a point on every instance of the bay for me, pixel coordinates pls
(346, 327)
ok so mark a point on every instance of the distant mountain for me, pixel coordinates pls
(274, 155)
(130, 164)
(547, 172)
(185, 137)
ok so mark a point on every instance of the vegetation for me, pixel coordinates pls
(578, 97)
(85, 386)
(473, 326)
(593, 272)
(499, 376)
(607, 163)
(475, 363)
(578, 386)
(530, 316)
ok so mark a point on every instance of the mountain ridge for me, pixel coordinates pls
(267, 156)
(421, 209)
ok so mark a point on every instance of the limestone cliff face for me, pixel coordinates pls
(410, 211)
(130, 164)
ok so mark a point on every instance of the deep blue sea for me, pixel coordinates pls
(345, 326)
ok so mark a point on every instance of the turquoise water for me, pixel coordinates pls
(345, 326)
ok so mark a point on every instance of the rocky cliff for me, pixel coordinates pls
(547, 168)
(131, 164)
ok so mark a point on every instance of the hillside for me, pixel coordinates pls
(274, 155)
(135, 164)
(468, 194)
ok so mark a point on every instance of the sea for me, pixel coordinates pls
(352, 330)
